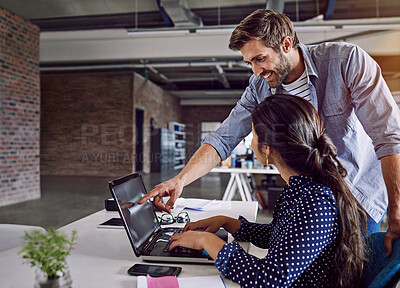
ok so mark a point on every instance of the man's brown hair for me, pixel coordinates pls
(266, 25)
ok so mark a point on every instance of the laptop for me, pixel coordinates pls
(148, 239)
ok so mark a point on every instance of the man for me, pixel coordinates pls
(346, 87)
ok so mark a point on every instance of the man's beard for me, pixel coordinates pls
(281, 71)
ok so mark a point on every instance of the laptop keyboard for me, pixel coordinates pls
(184, 251)
(167, 234)
(163, 240)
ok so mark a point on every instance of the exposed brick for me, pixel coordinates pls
(87, 122)
(192, 116)
(157, 104)
(19, 109)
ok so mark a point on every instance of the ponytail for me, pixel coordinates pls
(350, 255)
(292, 127)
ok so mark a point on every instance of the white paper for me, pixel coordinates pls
(190, 282)
(201, 282)
(201, 204)
(141, 282)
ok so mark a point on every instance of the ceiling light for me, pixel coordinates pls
(157, 33)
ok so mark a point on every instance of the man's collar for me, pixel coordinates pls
(307, 58)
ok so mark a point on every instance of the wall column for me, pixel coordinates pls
(19, 109)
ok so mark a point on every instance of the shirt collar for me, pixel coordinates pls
(298, 180)
(311, 69)
(293, 190)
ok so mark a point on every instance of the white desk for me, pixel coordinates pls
(238, 181)
(102, 257)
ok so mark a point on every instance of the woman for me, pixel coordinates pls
(315, 237)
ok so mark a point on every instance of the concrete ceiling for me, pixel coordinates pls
(187, 57)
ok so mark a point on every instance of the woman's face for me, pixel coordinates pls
(261, 157)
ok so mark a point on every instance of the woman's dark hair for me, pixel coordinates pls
(266, 25)
(291, 126)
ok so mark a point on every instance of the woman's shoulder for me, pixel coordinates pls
(306, 181)
(310, 188)
(313, 198)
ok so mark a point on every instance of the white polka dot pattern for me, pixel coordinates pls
(300, 239)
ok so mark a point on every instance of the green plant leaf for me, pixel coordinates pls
(48, 251)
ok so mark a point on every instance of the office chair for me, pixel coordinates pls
(380, 271)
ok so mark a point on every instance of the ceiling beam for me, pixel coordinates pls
(117, 45)
(208, 102)
(207, 94)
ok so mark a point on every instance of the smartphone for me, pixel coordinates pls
(154, 270)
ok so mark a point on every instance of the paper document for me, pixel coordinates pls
(215, 281)
(201, 204)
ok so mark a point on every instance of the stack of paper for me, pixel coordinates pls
(201, 204)
(188, 282)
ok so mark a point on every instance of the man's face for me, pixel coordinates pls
(266, 62)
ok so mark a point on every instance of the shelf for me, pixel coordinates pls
(177, 127)
(179, 143)
(162, 150)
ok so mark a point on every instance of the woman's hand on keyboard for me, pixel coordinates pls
(198, 240)
(213, 224)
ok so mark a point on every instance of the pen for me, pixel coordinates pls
(222, 281)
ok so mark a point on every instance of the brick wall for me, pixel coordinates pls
(157, 104)
(88, 121)
(19, 109)
(192, 116)
(86, 124)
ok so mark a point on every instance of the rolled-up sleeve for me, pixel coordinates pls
(373, 103)
(238, 124)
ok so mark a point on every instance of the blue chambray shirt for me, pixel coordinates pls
(356, 106)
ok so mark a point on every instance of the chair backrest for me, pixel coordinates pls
(380, 271)
(11, 235)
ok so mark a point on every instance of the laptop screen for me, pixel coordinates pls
(140, 219)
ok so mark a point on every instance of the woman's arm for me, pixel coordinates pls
(198, 240)
(241, 229)
(299, 237)
(250, 232)
(213, 224)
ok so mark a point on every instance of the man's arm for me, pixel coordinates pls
(205, 158)
(217, 146)
(391, 175)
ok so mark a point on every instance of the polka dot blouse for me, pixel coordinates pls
(300, 241)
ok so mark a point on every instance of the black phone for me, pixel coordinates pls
(154, 270)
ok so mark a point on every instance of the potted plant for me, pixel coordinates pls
(48, 251)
